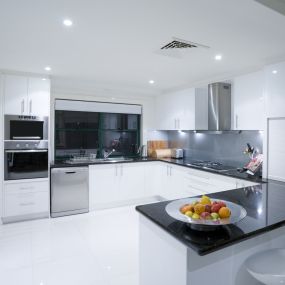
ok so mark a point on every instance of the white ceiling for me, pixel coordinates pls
(115, 43)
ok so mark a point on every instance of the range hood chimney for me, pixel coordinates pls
(213, 108)
(219, 107)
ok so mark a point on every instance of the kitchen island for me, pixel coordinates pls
(172, 253)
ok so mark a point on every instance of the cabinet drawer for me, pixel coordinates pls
(26, 198)
(13, 188)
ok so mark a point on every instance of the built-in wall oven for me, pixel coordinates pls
(27, 161)
(25, 147)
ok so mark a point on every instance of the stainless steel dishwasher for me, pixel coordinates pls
(69, 191)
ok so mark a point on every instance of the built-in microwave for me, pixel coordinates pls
(25, 127)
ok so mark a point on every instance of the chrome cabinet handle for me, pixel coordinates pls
(236, 121)
(116, 170)
(27, 204)
(23, 106)
(121, 170)
(31, 106)
(26, 188)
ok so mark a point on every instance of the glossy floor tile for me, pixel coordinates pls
(90, 249)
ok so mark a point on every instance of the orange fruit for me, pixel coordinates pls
(199, 208)
(186, 208)
(224, 213)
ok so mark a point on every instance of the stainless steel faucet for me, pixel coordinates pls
(107, 154)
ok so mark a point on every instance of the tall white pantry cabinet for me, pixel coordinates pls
(28, 95)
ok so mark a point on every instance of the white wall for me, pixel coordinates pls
(112, 96)
(1, 143)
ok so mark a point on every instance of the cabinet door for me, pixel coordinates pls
(249, 108)
(275, 89)
(103, 184)
(15, 94)
(176, 111)
(132, 181)
(38, 97)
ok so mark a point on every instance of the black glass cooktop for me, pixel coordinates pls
(264, 204)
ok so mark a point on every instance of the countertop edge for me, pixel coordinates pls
(176, 162)
(217, 248)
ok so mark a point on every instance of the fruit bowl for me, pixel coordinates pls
(236, 214)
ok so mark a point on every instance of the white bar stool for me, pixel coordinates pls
(268, 266)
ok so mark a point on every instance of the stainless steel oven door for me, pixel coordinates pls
(26, 164)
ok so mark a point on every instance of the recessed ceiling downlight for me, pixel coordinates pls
(274, 71)
(151, 82)
(218, 57)
(67, 22)
(48, 68)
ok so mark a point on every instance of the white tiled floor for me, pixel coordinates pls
(98, 248)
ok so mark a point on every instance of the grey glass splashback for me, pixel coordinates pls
(226, 148)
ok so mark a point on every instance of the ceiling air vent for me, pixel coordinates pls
(181, 44)
(178, 48)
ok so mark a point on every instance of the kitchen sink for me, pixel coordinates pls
(112, 159)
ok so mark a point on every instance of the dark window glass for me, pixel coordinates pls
(125, 143)
(76, 120)
(119, 121)
(26, 129)
(76, 139)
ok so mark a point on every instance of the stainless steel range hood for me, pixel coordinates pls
(219, 107)
(213, 109)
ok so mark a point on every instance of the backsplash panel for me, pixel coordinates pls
(226, 148)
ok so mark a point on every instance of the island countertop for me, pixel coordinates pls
(264, 203)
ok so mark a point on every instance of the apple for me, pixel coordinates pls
(215, 216)
(206, 216)
(216, 208)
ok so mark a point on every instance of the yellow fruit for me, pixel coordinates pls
(205, 200)
(195, 216)
(199, 208)
(189, 214)
(224, 213)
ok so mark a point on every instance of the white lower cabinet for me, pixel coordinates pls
(112, 183)
(116, 184)
(25, 200)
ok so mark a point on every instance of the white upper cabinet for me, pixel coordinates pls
(38, 96)
(275, 90)
(248, 102)
(26, 95)
(15, 94)
(176, 110)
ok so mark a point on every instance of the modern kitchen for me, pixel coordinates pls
(142, 142)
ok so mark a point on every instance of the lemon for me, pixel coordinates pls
(205, 200)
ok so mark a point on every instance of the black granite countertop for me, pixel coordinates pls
(264, 204)
(180, 162)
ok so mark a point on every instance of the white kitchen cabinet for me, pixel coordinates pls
(38, 96)
(25, 200)
(103, 184)
(132, 181)
(275, 90)
(114, 183)
(15, 94)
(26, 95)
(248, 102)
(176, 110)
